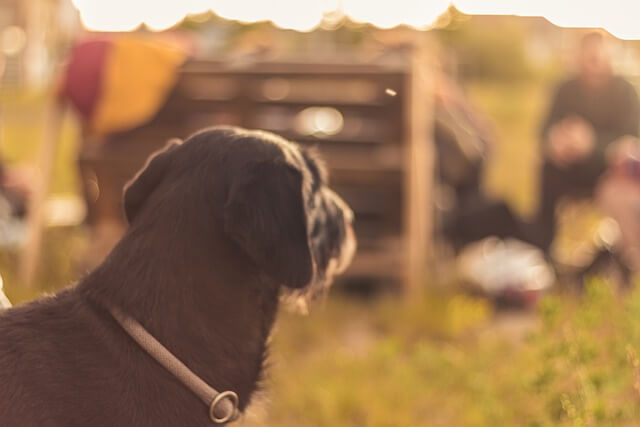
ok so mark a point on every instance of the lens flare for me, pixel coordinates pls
(319, 121)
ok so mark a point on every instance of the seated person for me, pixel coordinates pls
(462, 141)
(618, 195)
(590, 112)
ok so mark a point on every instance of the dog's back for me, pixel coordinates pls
(61, 351)
(37, 346)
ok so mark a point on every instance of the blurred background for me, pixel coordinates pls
(488, 148)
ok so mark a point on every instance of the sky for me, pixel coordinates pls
(619, 17)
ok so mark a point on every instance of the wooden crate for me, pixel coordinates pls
(366, 157)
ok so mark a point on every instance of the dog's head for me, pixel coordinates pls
(269, 198)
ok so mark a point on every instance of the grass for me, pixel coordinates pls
(386, 364)
(22, 115)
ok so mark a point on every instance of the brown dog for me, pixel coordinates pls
(218, 224)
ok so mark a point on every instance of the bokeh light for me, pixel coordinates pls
(319, 121)
(12, 40)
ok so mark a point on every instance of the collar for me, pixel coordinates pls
(223, 407)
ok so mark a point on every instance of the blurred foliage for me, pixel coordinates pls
(486, 52)
(22, 116)
(352, 364)
(60, 266)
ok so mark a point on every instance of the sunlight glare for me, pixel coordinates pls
(616, 16)
(415, 13)
(115, 15)
(297, 15)
(619, 17)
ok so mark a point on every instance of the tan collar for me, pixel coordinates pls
(223, 407)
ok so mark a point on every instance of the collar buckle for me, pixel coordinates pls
(226, 403)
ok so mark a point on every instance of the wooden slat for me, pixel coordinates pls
(418, 169)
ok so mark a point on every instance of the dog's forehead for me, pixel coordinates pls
(294, 156)
(256, 145)
(289, 151)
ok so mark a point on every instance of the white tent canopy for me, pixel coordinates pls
(616, 16)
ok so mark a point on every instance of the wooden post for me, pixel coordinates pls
(419, 167)
(35, 221)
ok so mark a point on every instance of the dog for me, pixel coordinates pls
(220, 225)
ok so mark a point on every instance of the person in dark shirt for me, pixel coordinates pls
(463, 139)
(590, 112)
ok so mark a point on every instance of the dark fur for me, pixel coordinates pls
(217, 225)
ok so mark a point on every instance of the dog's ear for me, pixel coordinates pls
(265, 215)
(142, 185)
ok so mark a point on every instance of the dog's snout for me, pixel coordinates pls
(349, 218)
(341, 206)
(348, 243)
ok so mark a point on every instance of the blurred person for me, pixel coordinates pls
(618, 194)
(590, 112)
(484, 232)
(463, 139)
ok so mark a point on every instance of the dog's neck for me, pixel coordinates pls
(199, 298)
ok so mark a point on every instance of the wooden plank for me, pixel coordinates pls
(418, 232)
(293, 69)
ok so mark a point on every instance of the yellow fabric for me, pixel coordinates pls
(137, 78)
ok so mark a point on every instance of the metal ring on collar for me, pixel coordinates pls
(219, 398)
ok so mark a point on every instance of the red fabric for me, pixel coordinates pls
(83, 75)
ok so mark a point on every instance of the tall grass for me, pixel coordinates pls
(351, 364)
